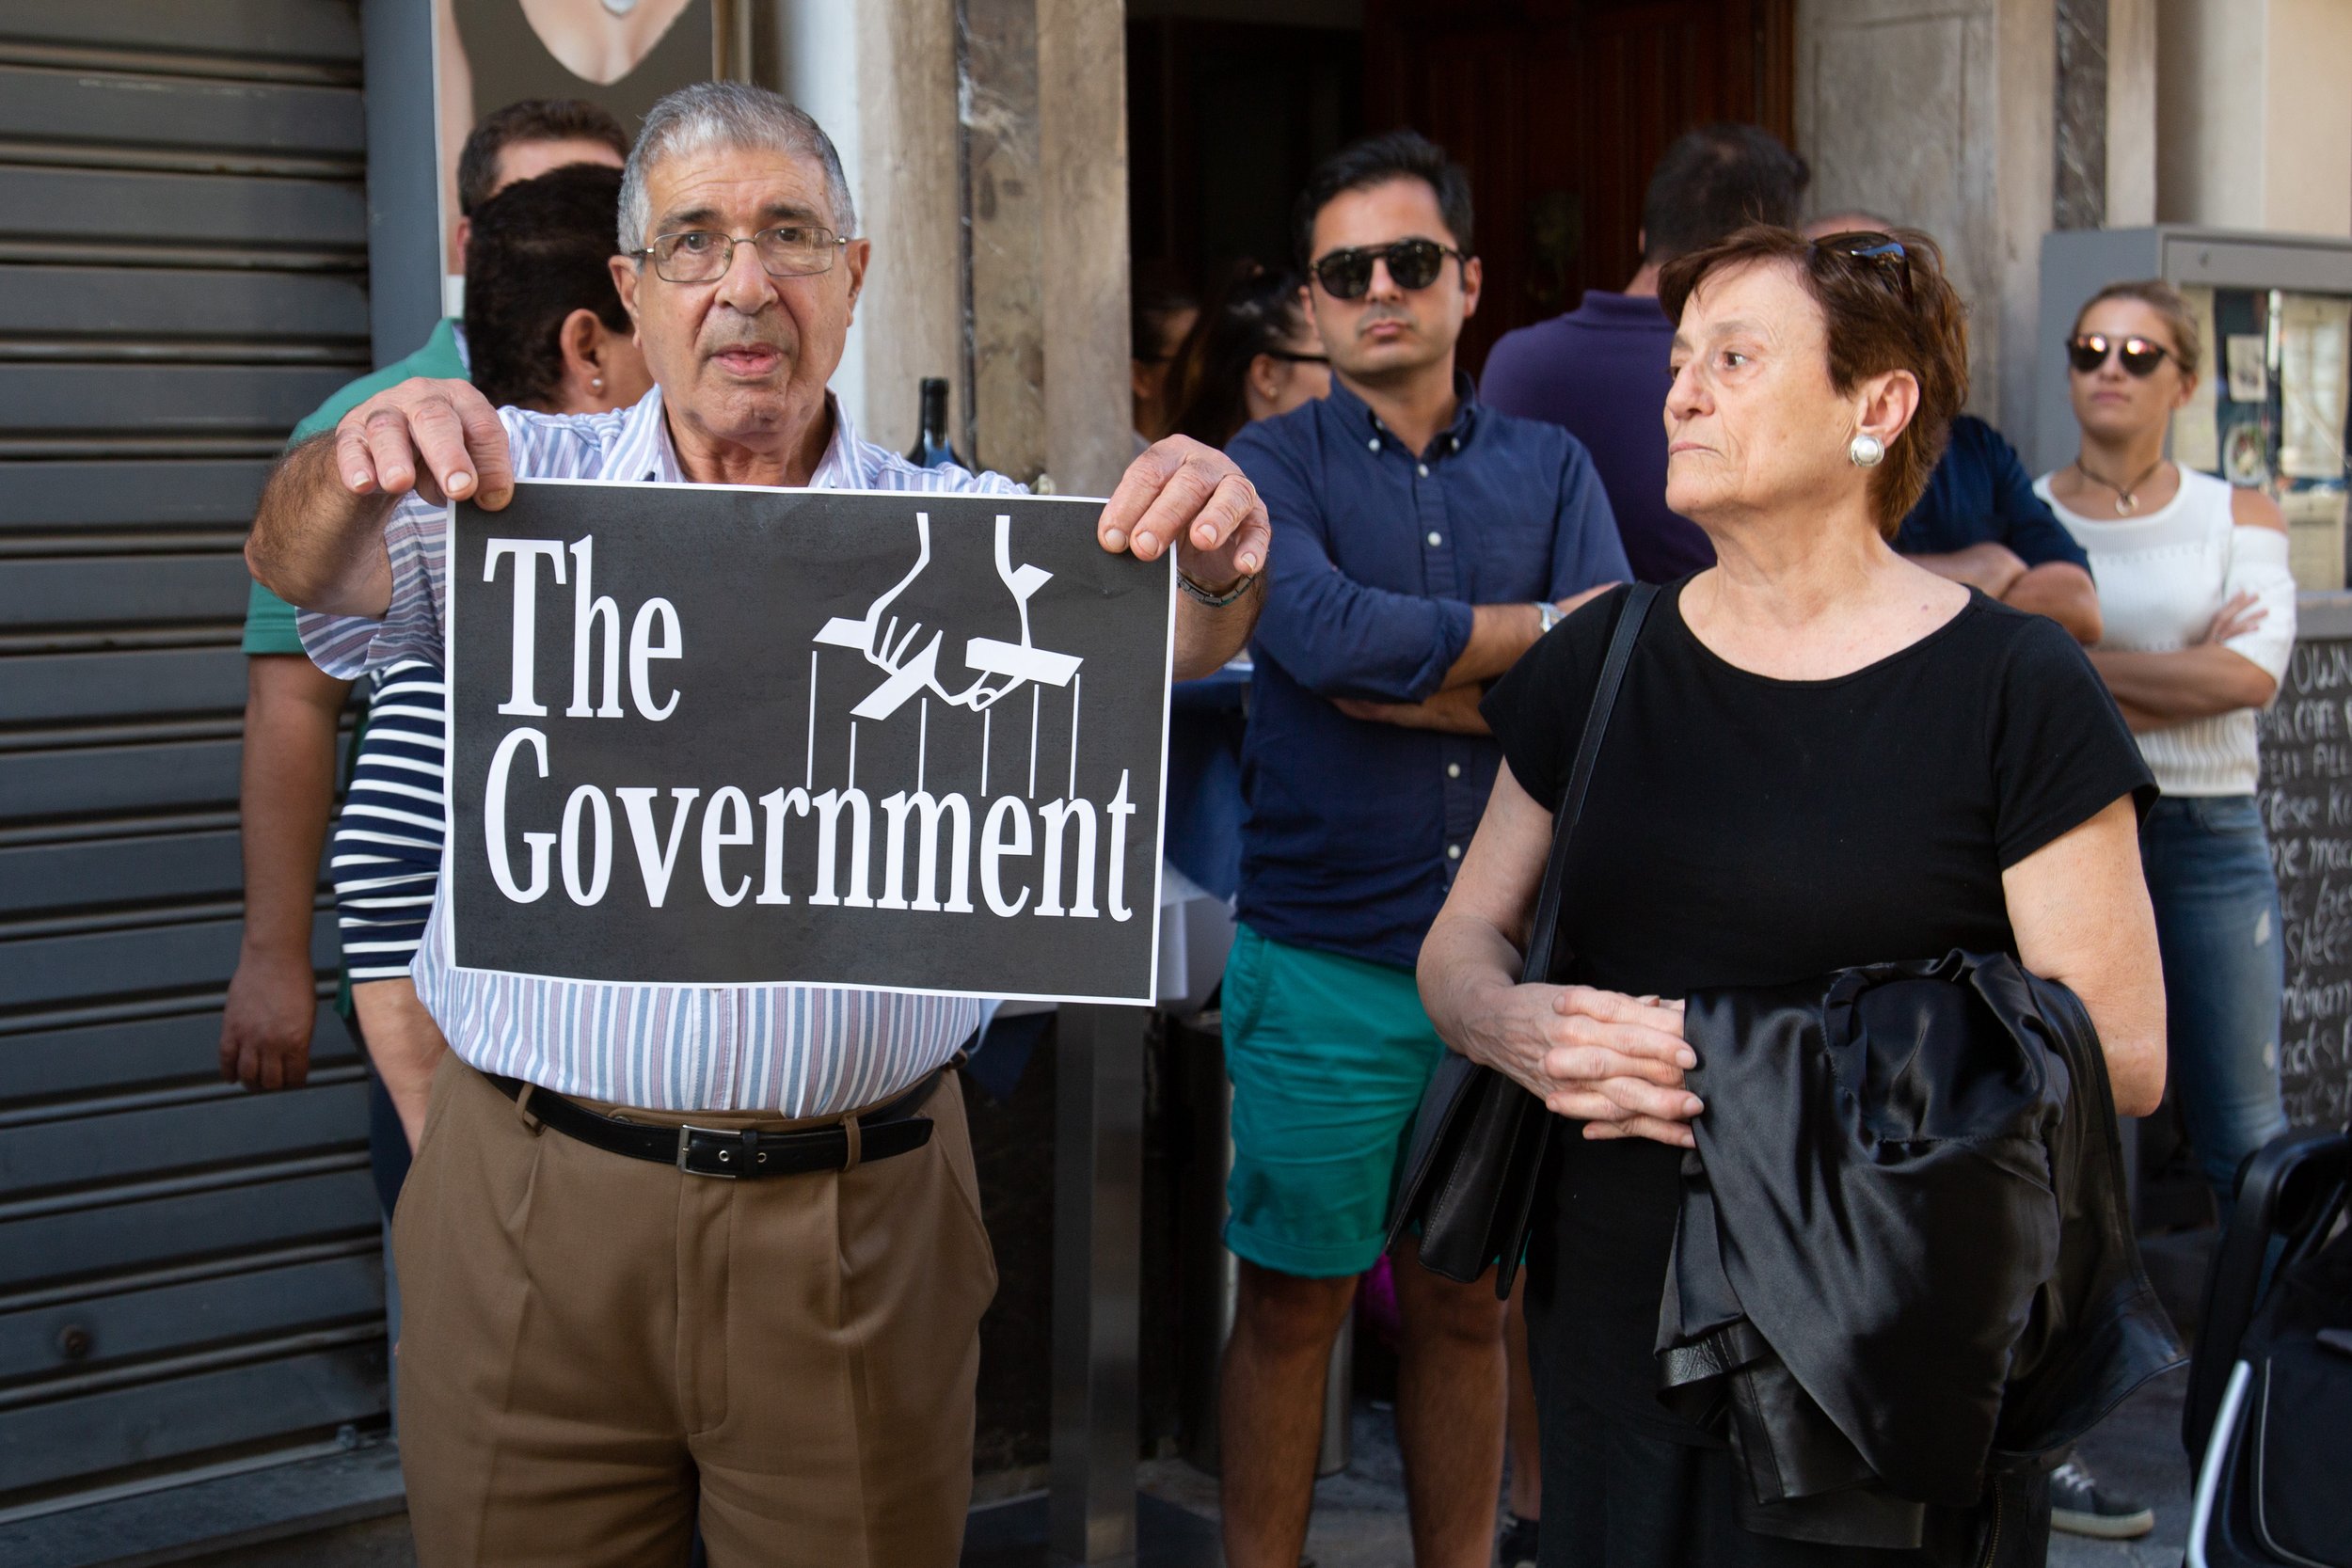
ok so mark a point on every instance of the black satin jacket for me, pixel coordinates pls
(1904, 1262)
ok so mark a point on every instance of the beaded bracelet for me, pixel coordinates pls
(1215, 601)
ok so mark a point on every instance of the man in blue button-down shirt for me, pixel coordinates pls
(1421, 544)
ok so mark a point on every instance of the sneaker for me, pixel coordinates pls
(1518, 1549)
(2080, 1507)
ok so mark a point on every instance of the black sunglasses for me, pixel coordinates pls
(1288, 357)
(1414, 264)
(2088, 351)
(1873, 251)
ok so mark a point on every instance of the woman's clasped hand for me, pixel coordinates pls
(1611, 1061)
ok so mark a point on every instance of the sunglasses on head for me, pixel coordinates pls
(2088, 351)
(1414, 264)
(1870, 251)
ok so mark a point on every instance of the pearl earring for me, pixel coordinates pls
(596, 382)
(1866, 451)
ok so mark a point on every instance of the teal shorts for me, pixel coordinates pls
(1328, 1058)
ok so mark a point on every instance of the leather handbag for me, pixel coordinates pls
(1478, 1139)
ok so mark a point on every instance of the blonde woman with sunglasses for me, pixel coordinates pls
(2200, 621)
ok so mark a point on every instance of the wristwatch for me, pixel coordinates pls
(1547, 615)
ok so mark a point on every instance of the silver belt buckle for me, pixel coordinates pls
(684, 1136)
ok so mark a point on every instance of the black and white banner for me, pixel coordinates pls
(714, 735)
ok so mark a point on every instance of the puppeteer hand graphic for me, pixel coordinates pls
(894, 638)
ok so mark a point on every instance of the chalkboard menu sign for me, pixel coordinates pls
(2307, 805)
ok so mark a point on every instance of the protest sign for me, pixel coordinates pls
(718, 735)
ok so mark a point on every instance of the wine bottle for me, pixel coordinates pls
(931, 449)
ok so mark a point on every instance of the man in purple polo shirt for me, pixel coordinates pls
(1601, 369)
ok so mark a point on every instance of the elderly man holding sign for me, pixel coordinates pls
(598, 1348)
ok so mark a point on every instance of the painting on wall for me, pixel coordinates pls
(622, 53)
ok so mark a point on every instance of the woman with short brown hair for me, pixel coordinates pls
(1824, 756)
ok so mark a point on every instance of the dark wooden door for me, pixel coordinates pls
(1558, 108)
(1225, 120)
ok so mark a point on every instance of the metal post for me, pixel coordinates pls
(403, 177)
(1098, 1200)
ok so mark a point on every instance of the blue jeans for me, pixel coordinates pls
(2217, 923)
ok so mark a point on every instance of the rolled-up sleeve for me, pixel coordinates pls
(1586, 548)
(1333, 634)
(415, 540)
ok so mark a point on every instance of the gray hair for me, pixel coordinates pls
(733, 114)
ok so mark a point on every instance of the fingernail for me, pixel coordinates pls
(1247, 563)
(1693, 1106)
(1686, 1058)
(458, 483)
(359, 479)
(1114, 539)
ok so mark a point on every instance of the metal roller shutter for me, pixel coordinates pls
(189, 1275)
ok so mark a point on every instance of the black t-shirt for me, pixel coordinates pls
(1743, 831)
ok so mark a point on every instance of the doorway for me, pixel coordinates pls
(1559, 109)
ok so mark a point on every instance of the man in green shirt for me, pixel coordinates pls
(286, 793)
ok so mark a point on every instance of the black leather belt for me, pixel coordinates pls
(889, 1129)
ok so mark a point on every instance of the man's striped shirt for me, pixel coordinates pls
(386, 857)
(796, 1050)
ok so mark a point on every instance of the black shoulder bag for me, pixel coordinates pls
(1479, 1138)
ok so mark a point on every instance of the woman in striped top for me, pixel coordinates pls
(544, 330)
(2200, 621)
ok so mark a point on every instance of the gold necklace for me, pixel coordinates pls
(2126, 496)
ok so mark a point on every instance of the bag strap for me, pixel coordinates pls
(1537, 968)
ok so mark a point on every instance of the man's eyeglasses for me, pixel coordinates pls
(1871, 251)
(2088, 351)
(703, 255)
(1414, 264)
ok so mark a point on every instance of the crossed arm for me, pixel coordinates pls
(2058, 589)
(2208, 677)
(1499, 633)
(2156, 690)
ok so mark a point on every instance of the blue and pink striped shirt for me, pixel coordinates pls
(794, 1050)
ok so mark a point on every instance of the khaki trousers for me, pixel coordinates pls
(597, 1350)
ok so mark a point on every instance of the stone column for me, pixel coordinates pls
(986, 143)
(880, 75)
(1940, 114)
(1045, 190)
(2254, 123)
(1004, 303)
(909, 194)
(2078, 195)
(1082, 121)
(2131, 113)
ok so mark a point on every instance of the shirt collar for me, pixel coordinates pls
(1600, 306)
(644, 450)
(844, 465)
(454, 330)
(1355, 414)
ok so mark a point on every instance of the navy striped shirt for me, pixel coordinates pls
(387, 858)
